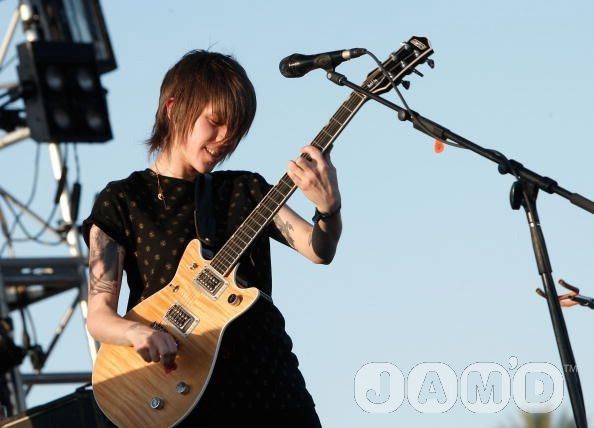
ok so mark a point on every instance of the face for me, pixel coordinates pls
(204, 146)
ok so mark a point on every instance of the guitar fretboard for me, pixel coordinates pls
(229, 254)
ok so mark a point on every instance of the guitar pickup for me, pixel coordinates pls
(181, 319)
(210, 282)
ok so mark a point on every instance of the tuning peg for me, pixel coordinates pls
(431, 63)
(406, 84)
(405, 45)
(418, 73)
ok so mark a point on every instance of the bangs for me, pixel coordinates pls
(232, 100)
(201, 78)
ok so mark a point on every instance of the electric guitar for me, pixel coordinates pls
(203, 298)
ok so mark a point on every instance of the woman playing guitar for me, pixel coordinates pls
(142, 224)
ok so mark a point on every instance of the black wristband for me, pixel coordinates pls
(323, 216)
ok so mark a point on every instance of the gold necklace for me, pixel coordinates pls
(160, 194)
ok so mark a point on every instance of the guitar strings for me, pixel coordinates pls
(228, 256)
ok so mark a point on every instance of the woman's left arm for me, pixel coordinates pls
(315, 175)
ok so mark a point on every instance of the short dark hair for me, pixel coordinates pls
(201, 77)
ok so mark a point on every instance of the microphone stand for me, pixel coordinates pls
(523, 193)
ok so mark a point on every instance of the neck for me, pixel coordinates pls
(167, 165)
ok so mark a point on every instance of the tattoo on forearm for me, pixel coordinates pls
(285, 229)
(105, 264)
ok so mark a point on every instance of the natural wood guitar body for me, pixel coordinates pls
(125, 385)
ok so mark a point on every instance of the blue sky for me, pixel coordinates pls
(433, 265)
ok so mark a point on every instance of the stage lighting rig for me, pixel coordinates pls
(75, 21)
(64, 99)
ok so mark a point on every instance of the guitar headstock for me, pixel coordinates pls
(401, 63)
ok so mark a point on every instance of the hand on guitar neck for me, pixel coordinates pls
(315, 175)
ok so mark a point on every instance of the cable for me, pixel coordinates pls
(4, 104)
(506, 162)
(29, 236)
(406, 107)
(31, 194)
(35, 177)
(26, 338)
(32, 323)
(76, 162)
(498, 154)
(76, 189)
(8, 62)
(17, 215)
(387, 76)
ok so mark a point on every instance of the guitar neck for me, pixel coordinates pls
(229, 254)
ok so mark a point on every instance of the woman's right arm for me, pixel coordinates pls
(106, 267)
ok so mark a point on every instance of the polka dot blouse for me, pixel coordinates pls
(255, 368)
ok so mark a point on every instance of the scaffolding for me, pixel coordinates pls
(24, 281)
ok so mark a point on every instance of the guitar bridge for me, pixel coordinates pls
(158, 326)
(181, 319)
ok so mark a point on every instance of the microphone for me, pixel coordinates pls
(297, 65)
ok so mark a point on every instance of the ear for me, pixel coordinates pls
(168, 107)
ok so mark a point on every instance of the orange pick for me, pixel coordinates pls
(438, 146)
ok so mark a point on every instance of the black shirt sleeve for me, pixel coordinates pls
(109, 215)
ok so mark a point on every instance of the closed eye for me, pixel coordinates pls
(214, 121)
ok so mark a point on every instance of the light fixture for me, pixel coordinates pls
(67, 102)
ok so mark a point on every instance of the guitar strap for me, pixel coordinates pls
(204, 214)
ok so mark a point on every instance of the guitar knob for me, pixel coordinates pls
(431, 63)
(406, 84)
(156, 403)
(182, 388)
(234, 299)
